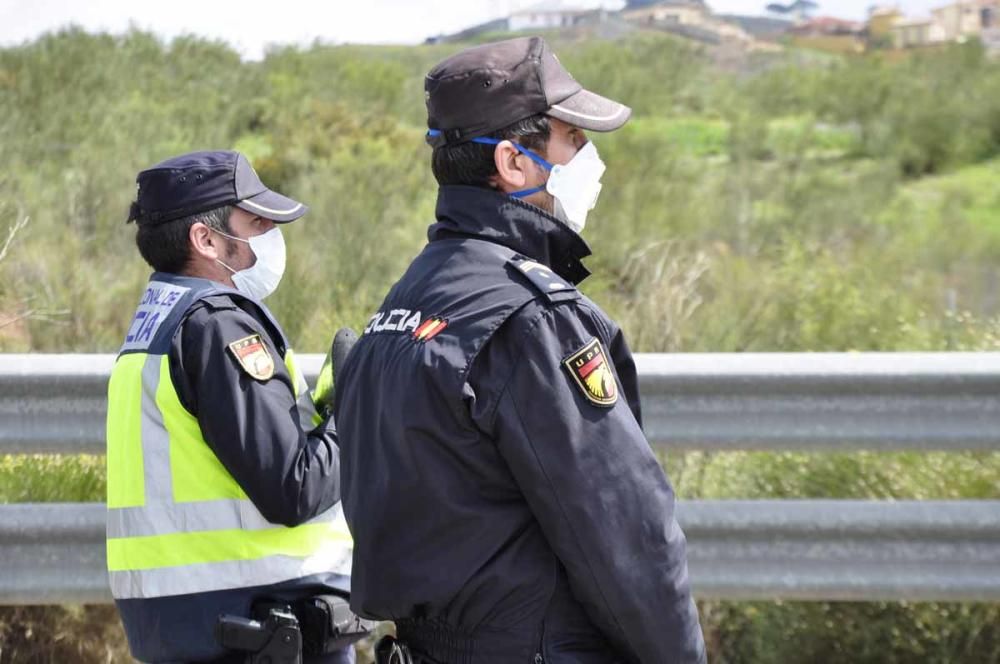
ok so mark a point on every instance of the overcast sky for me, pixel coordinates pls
(250, 25)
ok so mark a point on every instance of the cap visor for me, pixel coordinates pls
(271, 205)
(587, 110)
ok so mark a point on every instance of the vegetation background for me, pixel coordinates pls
(789, 202)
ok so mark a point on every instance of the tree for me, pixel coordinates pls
(640, 4)
(798, 9)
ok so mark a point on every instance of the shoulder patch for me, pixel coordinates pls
(253, 356)
(544, 279)
(591, 372)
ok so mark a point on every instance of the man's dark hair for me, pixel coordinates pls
(472, 163)
(166, 246)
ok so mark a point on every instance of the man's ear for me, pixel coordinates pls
(203, 241)
(512, 173)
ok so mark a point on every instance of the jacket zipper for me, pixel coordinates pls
(541, 647)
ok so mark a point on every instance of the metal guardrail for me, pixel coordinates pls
(822, 401)
(844, 550)
(816, 549)
(781, 401)
(53, 553)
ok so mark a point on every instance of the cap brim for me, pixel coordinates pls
(587, 110)
(272, 205)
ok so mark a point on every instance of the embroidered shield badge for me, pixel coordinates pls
(253, 356)
(592, 374)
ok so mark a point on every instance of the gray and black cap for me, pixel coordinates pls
(488, 87)
(202, 181)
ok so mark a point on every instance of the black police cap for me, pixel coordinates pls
(488, 87)
(201, 181)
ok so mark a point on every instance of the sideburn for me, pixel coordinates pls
(231, 249)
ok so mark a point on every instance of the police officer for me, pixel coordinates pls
(223, 481)
(505, 504)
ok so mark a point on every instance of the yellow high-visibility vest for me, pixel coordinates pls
(178, 522)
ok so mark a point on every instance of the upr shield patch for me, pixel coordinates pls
(592, 374)
(253, 356)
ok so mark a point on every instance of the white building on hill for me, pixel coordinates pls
(679, 12)
(956, 21)
(549, 15)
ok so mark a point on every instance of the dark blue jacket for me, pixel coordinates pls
(504, 502)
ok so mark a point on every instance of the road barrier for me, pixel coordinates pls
(810, 549)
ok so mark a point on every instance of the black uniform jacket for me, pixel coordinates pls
(504, 502)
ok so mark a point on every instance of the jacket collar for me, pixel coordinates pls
(493, 216)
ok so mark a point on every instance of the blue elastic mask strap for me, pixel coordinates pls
(526, 192)
(523, 150)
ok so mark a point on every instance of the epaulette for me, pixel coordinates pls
(232, 301)
(554, 287)
(220, 301)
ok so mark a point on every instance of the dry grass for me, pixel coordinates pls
(61, 635)
(87, 635)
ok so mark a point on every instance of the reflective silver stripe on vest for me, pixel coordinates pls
(209, 515)
(207, 577)
(303, 399)
(155, 439)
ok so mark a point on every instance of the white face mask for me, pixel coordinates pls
(262, 278)
(576, 186)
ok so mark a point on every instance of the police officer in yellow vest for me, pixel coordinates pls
(223, 481)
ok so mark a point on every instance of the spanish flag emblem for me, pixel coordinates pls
(429, 329)
(592, 374)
